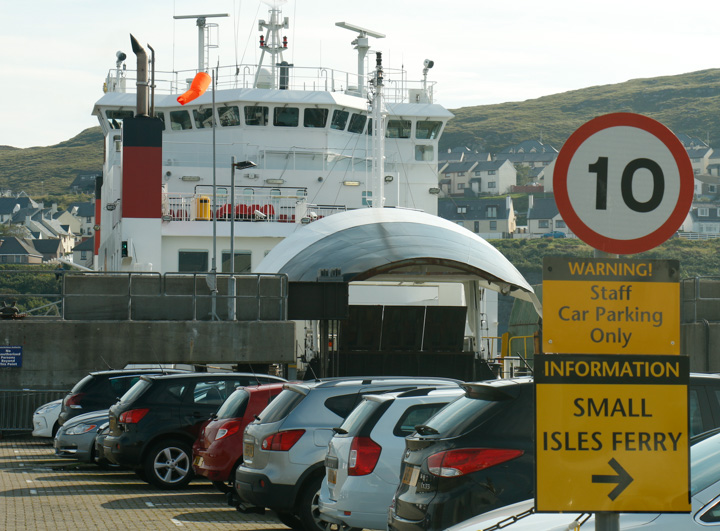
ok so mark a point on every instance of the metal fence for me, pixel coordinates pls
(18, 405)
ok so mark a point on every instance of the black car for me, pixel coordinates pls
(100, 390)
(478, 453)
(153, 426)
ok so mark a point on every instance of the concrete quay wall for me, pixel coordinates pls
(56, 354)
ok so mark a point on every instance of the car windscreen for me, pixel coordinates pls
(136, 390)
(359, 416)
(704, 464)
(235, 405)
(281, 407)
(458, 416)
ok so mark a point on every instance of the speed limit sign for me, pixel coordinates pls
(623, 183)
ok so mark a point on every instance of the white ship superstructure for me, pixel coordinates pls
(303, 141)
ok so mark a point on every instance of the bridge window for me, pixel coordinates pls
(425, 153)
(192, 261)
(256, 115)
(180, 120)
(286, 117)
(229, 116)
(242, 261)
(428, 130)
(398, 129)
(357, 123)
(115, 117)
(203, 118)
(161, 117)
(339, 120)
(315, 117)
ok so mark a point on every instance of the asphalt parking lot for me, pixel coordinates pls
(40, 491)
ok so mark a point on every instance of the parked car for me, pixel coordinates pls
(284, 450)
(554, 234)
(217, 452)
(478, 454)
(363, 457)
(45, 419)
(100, 390)
(76, 438)
(154, 425)
(704, 492)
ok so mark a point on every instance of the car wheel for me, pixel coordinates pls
(309, 510)
(168, 464)
(290, 520)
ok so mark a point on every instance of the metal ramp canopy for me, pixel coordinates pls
(398, 245)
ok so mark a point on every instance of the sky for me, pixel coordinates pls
(54, 56)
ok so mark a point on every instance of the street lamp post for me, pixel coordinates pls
(231, 281)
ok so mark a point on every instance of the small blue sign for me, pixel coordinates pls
(10, 356)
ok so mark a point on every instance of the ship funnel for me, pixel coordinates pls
(142, 77)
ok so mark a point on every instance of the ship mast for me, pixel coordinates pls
(272, 44)
(203, 28)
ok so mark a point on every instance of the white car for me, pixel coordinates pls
(704, 515)
(363, 459)
(45, 419)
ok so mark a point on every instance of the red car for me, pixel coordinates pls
(218, 451)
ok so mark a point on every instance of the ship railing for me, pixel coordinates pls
(399, 88)
(281, 205)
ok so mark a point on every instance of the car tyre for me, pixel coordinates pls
(309, 509)
(168, 464)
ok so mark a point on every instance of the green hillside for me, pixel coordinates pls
(688, 103)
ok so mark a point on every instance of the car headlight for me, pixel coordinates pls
(44, 409)
(80, 429)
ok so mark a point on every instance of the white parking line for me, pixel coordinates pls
(177, 522)
(33, 491)
(149, 504)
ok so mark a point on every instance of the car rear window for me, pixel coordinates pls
(235, 405)
(459, 416)
(354, 422)
(82, 383)
(342, 405)
(136, 390)
(414, 416)
(281, 407)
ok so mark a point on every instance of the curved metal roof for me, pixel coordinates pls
(394, 244)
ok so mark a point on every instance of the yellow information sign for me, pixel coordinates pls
(612, 433)
(611, 306)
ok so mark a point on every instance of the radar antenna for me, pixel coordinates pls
(362, 45)
(203, 32)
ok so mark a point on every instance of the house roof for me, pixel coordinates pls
(543, 208)
(7, 204)
(85, 209)
(15, 246)
(88, 244)
(517, 158)
(455, 167)
(47, 246)
(530, 146)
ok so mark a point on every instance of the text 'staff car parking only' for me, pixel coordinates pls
(154, 425)
(284, 451)
(363, 458)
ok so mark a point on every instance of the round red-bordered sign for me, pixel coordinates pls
(623, 183)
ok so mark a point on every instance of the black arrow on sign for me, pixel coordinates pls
(623, 479)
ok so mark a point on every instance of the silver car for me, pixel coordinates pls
(284, 449)
(76, 438)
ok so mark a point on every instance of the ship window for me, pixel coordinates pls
(229, 116)
(357, 122)
(398, 129)
(339, 120)
(192, 261)
(203, 118)
(424, 153)
(242, 261)
(369, 127)
(428, 130)
(286, 117)
(161, 117)
(248, 192)
(115, 117)
(315, 117)
(256, 115)
(180, 120)
(275, 191)
(367, 198)
(302, 192)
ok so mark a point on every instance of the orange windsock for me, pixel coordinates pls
(197, 88)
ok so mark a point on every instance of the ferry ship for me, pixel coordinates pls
(215, 183)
